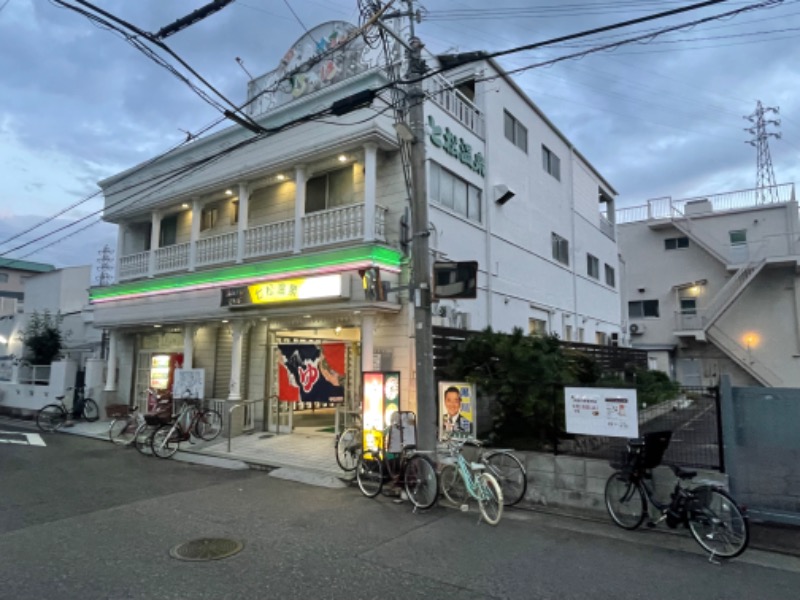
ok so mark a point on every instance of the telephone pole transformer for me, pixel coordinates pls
(766, 187)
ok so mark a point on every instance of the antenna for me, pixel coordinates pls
(240, 62)
(765, 175)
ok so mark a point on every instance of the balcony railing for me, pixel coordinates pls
(442, 92)
(328, 227)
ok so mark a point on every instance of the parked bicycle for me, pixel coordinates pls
(348, 448)
(466, 479)
(54, 416)
(122, 430)
(400, 464)
(710, 513)
(502, 463)
(190, 420)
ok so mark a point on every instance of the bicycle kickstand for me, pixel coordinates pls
(712, 560)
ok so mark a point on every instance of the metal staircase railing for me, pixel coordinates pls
(685, 225)
(744, 357)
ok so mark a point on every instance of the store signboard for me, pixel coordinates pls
(610, 412)
(456, 409)
(285, 291)
(381, 398)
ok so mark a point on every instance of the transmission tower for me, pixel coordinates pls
(766, 189)
(105, 266)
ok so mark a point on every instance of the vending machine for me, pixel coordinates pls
(162, 374)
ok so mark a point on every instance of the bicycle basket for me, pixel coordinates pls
(471, 451)
(655, 444)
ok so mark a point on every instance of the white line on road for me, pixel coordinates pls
(31, 439)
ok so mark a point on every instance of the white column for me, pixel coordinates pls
(367, 341)
(111, 368)
(238, 331)
(241, 228)
(155, 236)
(370, 187)
(122, 231)
(188, 345)
(194, 235)
(299, 207)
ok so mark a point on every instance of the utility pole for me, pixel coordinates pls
(423, 338)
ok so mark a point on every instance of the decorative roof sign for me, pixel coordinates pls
(328, 54)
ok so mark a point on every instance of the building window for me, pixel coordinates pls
(208, 218)
(688, 306)
(3, 277)
(600, 338)
(676, 243)
(551, 163)
(515, 132)
(610, 276)
(454, 193)
(642, 308)
(593, 266)
(537, 327)
(738, 237)
(329, 190)
(235, 212)
(169, 231)
(560, 249)
(579, 337)
(568, 333)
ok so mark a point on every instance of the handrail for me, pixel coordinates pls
(239, 404)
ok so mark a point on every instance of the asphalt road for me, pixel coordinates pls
(80, 518)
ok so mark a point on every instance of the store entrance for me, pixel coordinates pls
(314, 380)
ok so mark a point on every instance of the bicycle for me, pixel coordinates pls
(717, 523)
(123, 429)
(469, 479)
(400, 464)
(54, 416)
(348, 448)
(502, 463)
(204, 424)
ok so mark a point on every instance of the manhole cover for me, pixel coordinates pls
(206, 549)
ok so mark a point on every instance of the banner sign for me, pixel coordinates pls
(601, 411)
(311, 372)
(456, 409)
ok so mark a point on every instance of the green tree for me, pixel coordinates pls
(43, 337)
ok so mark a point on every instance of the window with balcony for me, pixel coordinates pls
(169, 231)
(537, 327)
(676, 243)
(208, 218)
(516, 133)
(638, 309)
(551, 163)
(592, 266)
(452, 192)
(560, 249)
(610, 276)
(329, 190)
(688, 306)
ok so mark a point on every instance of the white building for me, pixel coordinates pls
(209, 249)
(711, 285)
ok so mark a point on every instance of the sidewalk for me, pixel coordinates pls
(307, 456)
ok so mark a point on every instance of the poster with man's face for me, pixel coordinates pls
(456, 409)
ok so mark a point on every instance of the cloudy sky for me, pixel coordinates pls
(662, 117)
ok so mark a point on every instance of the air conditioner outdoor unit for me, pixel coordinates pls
(636, 329)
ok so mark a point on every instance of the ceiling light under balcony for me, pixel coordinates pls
(280, 177)
(184, 205)
(342, 158)
(229, 192)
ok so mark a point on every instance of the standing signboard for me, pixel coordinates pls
(381, 391)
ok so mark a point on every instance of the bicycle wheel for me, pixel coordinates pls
(369, 474)
(208, 425)
(51, 417)
(421, 483)
(490, 498)
(142, 439)
(348, 448)
(121, 431)
(717, 524)
(165, 441)
(625, 501)
(452, 485)
(91, 412)
(510, 474)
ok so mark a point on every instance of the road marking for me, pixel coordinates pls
(26, 439)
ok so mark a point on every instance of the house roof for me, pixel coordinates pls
(25, 265)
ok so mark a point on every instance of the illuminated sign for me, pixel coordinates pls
(284, 290)
(381, 398)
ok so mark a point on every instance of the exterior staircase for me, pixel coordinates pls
(744, 357)
(690, 229)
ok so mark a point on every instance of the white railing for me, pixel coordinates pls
(272, 238)
(134, 265)
(343, 224)
(172, 258)
(442, 92)
(217, 249)
(335, 226)
(663, 208)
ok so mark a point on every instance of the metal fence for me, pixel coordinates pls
(693, 418)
